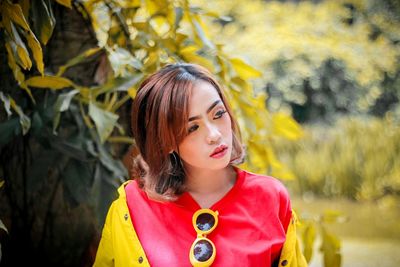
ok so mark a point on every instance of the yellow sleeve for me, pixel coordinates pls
(105, 250)
(291, 255)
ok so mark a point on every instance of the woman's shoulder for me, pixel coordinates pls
(126, 190)
(264, 183)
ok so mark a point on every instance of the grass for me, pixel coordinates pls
(369, 237)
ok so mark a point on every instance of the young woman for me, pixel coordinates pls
(188, 205)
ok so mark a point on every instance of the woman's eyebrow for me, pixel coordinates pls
(208, 110)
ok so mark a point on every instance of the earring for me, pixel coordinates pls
(174, 157)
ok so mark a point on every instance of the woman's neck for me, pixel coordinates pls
(208, 186)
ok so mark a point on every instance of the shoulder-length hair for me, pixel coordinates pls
(159, 120)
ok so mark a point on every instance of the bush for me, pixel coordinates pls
(357, 157)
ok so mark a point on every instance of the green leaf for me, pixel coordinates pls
(46, 161)
(43, 20)
(103, 191)
(61, 105)
(64, 100)
(24, 120)
(77, 182)
(115, 166)
(52, 82)
(104, 120)
(73, 147)
(9, 129)
(37, 124)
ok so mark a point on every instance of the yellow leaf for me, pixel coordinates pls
(189, 55)
(308, 240)
(243, 85)
(286, 126)
(154, 7)
(160, 25)
(25, 5)
(1, 183)
(66, 3)
(121, 139)
(76, 60)
(132, 92)
(189, 49)
(152, 59)
(330, 248)
(6, 22)
(51, 82)
(23, 55)
(180, 37)
(204, 32)
(18, 74)
(34, 45)
(21, 51)
(129, 3)
(14, 11)
(244, 70)
(85, 93)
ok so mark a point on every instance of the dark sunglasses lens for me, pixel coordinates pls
(203, 250)
(205, 221)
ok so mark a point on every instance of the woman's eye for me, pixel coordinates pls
(193, 128)
(219, 114)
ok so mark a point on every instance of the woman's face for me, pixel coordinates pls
(209, 142)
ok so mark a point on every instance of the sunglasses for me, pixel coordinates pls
(202, 253)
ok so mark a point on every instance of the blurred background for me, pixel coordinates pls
(315, 86)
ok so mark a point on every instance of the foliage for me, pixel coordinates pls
(319, 58)
(330, 246)
(72, 68)
(356, 158)
(2, 226)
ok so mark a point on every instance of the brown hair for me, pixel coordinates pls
(160, 113)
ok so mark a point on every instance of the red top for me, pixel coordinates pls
(252, 222)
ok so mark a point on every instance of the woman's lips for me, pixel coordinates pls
(219, 152)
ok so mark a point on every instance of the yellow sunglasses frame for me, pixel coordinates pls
(201, 235)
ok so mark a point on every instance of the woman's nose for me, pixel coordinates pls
(213, 134)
